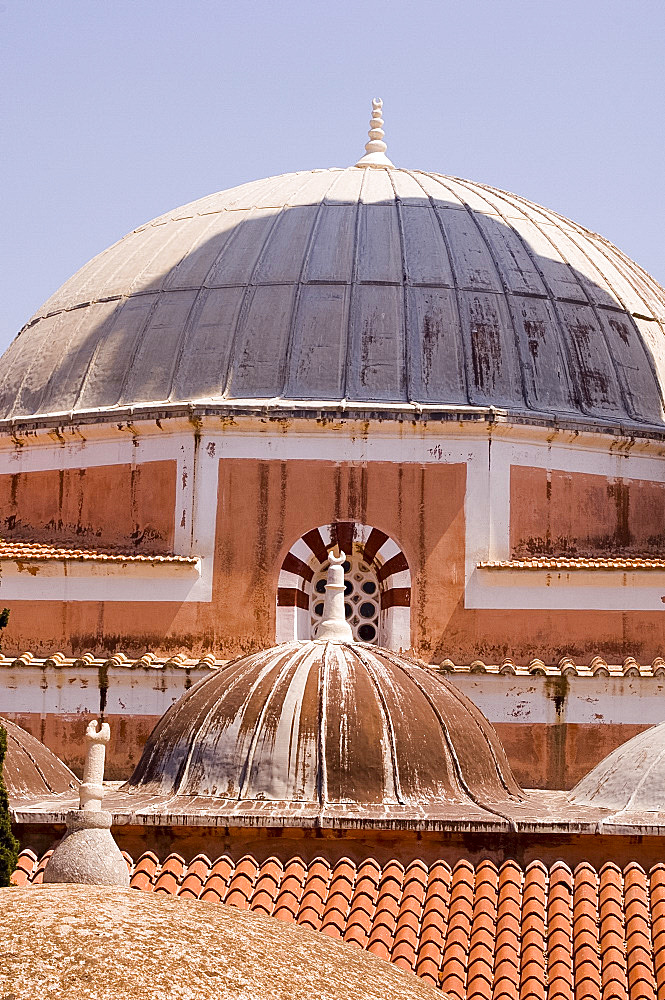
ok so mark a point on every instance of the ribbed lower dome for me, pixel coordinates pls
(324, 723)
(30, 768)
(631, 778)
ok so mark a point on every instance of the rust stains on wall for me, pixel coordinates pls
(579, 514)
(114, 507)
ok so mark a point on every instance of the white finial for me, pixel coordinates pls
(91, 791)
(334, 625)
(375, 149)
(88, 853)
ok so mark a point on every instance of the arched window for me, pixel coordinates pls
(377, 579)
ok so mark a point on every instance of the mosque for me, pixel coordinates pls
(340, 495)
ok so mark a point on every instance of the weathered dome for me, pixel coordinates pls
(631, 778)
(30, 770)
(84, 941)
(324, 723)
(360, 287)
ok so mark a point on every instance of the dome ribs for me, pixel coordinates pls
(340, 889)
(363, 904)
(612, 933)
(405, 946)
(534, 921)
(384, 925)
(560, 936)
(657, 898)
(507, 959)
(452, 978)
(310, 912)
(639, 950)
(482, 942)
(434, 922)
(586, 944)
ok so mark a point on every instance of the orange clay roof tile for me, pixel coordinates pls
(315, 891)
(194, 878)
(574, 562)
(290, 891)
(478, 932)
(37, 551)
(266, 886)
(657, 896)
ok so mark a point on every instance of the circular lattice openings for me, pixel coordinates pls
(377, 585)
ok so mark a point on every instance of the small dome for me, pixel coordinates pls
(30, 769)
(364, 286)
(326, 723)
(92, 941)
(631, 778)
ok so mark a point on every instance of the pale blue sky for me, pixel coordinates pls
(116, 111)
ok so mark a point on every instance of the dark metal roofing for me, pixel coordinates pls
(30, 769)
(358, 288)
(319, 724)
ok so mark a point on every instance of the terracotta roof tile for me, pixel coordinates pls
(266, 886)
(481, 934)
(508, 932)
(335, 911)
(452, 977)
(170, 875)
(566, 666)
(145, 871)
(195, 877)
(37, 551)
(534, 916)
(657, 897)
(612, 933)
(581, 562)
(639, 950)
(586, 947)
(290, 891)
(314, 894)
(405, 947)
(560, 933)
(363, 904)
(482, 942)
(435, 919)
(26, 863)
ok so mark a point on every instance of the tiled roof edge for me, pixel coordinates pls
(566, 666)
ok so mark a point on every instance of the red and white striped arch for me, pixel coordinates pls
(379, 550)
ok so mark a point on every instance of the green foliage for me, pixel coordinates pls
(4, 618)
(9, 846)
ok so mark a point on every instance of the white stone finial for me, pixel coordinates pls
(91, 791)
(375, 149)
(88, 853)
(334, 625)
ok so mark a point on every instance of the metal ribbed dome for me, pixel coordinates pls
(322, 723)
(30, 769)
(371, 287)
(631, 778)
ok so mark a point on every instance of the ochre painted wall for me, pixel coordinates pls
(264, 506)
(107, 507)
(577, 514)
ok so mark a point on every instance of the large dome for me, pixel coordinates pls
(327, 723)
(366, 287)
